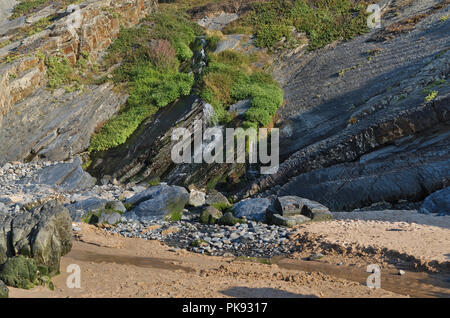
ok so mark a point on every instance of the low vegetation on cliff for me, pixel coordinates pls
(25, 7)
(230, 78)
(323, 21)
(151, 57)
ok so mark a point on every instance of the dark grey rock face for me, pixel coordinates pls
(68, 176)
(252, 209)
(45, 234)
(161, 202)
(437, 202)
(359, 126)
(55, 126)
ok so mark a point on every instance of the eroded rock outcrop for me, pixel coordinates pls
(55, 126)
(44, 234)
(367, 120)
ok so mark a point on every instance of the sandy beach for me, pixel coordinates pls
(114, 266)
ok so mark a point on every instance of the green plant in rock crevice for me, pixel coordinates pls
(229, 78)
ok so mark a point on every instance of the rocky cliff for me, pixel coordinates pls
(367, 121)
(57, 124)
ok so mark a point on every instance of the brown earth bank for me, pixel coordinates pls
(114, 266)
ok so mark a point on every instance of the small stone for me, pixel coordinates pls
(316, 256)
(197, 198)
(210, 215)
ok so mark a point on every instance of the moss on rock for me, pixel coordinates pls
(20, 272)
(210, 215)
(4, 292)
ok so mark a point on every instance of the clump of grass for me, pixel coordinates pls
(25, 7)
(151, 56)
(324, 21)
(58, 71)
(230, 78)
(61, 73)
(431, 96)
(222, 206)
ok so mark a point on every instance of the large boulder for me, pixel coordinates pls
(437, 202)
(81, 209)
(293, 206)
(5, 231)
(161, 202)
(69, 176)
(252, 209)
(44, 234)
(289, 221)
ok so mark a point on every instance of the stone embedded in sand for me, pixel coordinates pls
(437, 202)
(293, 206)
(252, 209)
(289, 221)
(161, 202)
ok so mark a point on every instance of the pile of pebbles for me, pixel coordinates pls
(15, 195)
(252, 239)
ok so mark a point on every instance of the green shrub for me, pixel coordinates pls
(151, 69)
(58, 71)
(229, 78)
(184, 53)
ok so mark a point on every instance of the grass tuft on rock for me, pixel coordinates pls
(230, 78)
(323, 21)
